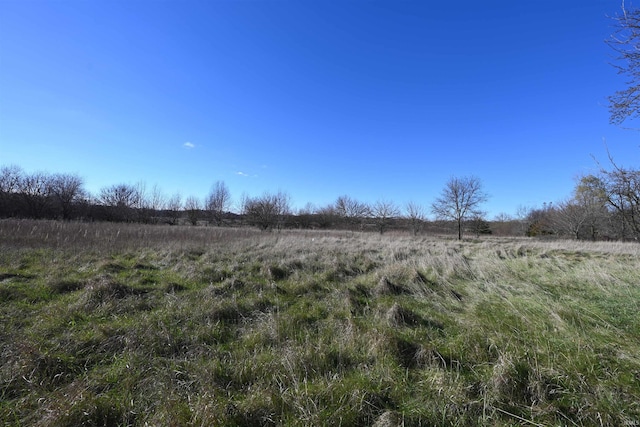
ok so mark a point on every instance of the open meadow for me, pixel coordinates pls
(115, 324)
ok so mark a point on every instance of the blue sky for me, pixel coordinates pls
(318, 98)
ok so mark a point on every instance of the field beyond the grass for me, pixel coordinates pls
(116, 324)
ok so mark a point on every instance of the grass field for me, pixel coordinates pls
(114, 324)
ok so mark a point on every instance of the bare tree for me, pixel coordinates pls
(123, 198)
(157, 199)
(35, 190)
(10, 179)
(625, 41)
(267, 211)
(218, 202)
(283, 201)
(503, 217)
(192, 208)
(174, 206)
(416, 215)
(384, 211)
(522, 219)
(353, 211)
(568, 217)
(149, 202)
(623, 194)
(120, 195)
(67, 190)
(459, 200)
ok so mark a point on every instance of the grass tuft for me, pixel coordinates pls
(386, 287)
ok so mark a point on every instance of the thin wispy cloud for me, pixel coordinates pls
(240, 173)
(189, 145)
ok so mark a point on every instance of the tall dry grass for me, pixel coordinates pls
(116, 324)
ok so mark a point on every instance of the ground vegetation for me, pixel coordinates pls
(133, 324)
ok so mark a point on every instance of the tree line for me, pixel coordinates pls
(62, 196)
(603, 206)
